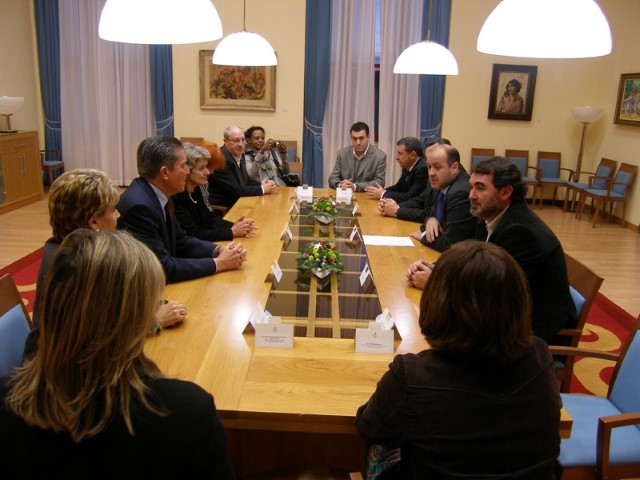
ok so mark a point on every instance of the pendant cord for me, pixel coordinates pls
(429, 23)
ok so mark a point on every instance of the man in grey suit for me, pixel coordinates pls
(359, 165)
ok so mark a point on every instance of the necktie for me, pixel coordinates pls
(440, 206)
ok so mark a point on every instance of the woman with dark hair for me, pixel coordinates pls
(266, 159)
(483, 401)
(90, 402)
(511, 101)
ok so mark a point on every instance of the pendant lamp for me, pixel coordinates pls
(159, 22)
(546, 29)
(426, 57)
(244, 48)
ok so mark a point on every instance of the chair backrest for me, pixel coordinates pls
(520, 158)
(585, 284)
(604, 172)
(15, 325)
(292, 150)
(624, 390)
(624, 179)
(480, 154)
(194, 140)
(549, 164)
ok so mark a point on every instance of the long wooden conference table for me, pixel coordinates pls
(288, 407)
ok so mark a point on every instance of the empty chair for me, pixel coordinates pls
(521, 159)
(605, 435)
(549, 166)
(584, 284)
(480, 154)
(15, 325)
(616, 191)
(52, 166)
(194, 140)
(605, 170)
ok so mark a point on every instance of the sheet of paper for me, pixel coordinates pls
(387, 241)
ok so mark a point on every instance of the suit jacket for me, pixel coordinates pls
(368, 171)
(538, 251)
(417, 208)
(197, 220)
(182, 257)
(227, 185)
(411, 183)
(457, 222)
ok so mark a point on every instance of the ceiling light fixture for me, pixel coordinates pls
(546, 29)
(244, 48)
(159, 22)
(426, 57)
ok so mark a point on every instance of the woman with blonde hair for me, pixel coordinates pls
(483, 401)
(90, 403)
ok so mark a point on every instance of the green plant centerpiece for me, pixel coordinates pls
(321, 258)
(324, 209)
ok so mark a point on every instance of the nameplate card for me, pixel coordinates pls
(294, 208)
(374, 339)
(304, 193)
(274, 334)
(277, 271)
(355, 209)
(286, 233)
(343, 195)
(354, 232)
(384, 319)
(366, 273)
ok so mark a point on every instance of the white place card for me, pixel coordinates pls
(277, 271)
(355, 209)
(274, 335)
(354, 232)
(287, 230)
(366, 272)
(295, 208)
(374, 340)
(258, 316)
(343, 195)
(384, 319)
(304, 192)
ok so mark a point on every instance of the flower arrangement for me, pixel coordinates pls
(324, 207)
(320, 255)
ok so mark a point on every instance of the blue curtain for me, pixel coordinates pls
(432, 86)
(162, 87)
(316, 85)
(48, 41)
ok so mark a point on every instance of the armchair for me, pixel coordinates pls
(521, 159)
(605, 436)
(604, 172)
(480, 154)
(51, 166)
(15, 325)
(550, 171)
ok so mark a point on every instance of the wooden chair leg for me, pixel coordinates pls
(581, 202)
(595, 215)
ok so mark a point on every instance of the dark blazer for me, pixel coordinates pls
(182, 257)
(197, 220)
(411, 183)
(457, 222)
(539, 252)
(417, 208)
(227, 185)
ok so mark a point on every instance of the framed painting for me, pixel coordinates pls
(226, 87)
(628, 103)
(512, 90)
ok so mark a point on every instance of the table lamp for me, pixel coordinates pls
(9, 106)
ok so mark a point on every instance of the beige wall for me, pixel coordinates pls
(561, 84)
(282, 23)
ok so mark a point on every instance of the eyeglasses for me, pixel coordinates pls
(235, 140)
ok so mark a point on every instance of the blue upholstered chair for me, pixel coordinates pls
(15, 325)
(616, 191)
(605, 436)
(52, 166)
(480, 154)
(521, 159)
(549, 166)
(604, 172)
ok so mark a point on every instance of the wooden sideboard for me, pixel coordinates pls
(20, 170)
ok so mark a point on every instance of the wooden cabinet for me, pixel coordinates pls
(20, 170)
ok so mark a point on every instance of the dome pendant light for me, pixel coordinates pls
(244, 48)
(426, 57)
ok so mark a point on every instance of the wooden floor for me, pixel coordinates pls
(611, 251)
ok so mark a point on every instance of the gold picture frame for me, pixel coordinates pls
(225, 87)
(523, 79)
(628, 103)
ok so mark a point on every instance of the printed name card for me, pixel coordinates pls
(304, 192)
(354, 232)
(286, 233)
(366, 273)
(374, 339)
(274, 334)
(343, 195)
(277, 271)
(295, 208)
(355, 209)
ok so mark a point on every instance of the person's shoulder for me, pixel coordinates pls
(174, 393)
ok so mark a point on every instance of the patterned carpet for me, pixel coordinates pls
(607, 327)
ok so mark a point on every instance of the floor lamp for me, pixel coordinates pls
(584, 115)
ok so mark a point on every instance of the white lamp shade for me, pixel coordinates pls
(546, 29)
(586, 114)
(10, 105)
(159, 22)
(427, 58)
(244, 49)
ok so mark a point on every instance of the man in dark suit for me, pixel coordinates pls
(146, 210)
(413, 178)
(449, 221)
(232, 182)
(497, 197)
